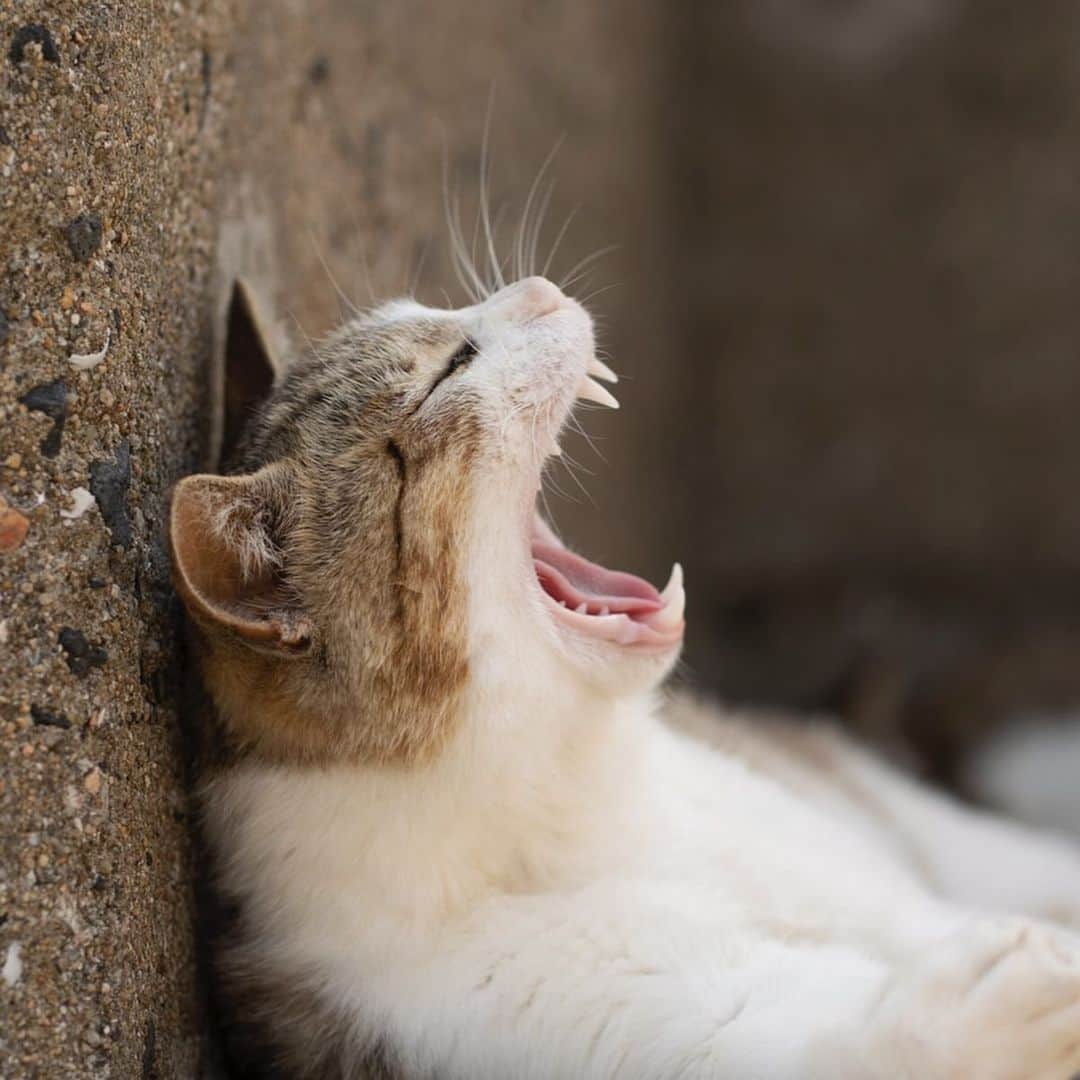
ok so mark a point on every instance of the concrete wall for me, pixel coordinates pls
(110, 136)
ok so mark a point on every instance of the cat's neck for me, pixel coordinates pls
(520, 800)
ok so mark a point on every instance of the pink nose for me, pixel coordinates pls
(540, 295)
(530, 298)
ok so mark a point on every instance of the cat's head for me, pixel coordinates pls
(378, 570)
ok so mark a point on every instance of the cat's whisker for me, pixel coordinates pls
(350, 306)
(559, 237)
(598, 292)
(577, 480)
(575, 464)
(541, 217)
(464, 268)
(575, 425)
(549, 478)
(312, 347)
(573, 274)
(523, 267)
(495, 267)
(413, 283)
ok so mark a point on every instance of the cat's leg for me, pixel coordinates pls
(971, 857)
(998, 1000)
(546, 987)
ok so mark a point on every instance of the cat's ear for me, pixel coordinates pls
(227, 536)
(253, 360)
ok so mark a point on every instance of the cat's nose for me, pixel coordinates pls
(528, 299)
(540, 296)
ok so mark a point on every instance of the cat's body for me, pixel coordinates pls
(630, 903)
(506, 862)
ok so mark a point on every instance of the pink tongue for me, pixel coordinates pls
(569, 578)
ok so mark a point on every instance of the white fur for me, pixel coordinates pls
(574, 890)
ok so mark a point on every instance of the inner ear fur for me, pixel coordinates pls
(226, 534)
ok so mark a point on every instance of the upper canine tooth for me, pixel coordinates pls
(602, 371)
(590, 390)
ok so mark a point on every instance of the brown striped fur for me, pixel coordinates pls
(324, 577)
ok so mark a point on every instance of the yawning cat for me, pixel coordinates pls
(465, 840)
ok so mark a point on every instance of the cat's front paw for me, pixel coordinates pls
(998, 1001)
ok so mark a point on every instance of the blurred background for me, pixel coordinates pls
(843, 302)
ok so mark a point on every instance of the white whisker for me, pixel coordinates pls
(598, 292)
(485, 210)
(541, 217)
(576, 270)
(413, 282)
(549, 478)
(559, 236)
(575, 425)
(523, 268)
(464, 268)
(573, 463)
(304, 334)
(351, 308)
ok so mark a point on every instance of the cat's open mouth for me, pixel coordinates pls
(588, 599)
(610, 605)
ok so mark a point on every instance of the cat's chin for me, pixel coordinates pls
(615, 609)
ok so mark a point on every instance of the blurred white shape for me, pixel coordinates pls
(851, 33)
(13, 968)
(85, 361)
(81, 501)
(1031, 770)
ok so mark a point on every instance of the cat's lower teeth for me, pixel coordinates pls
(674, 597)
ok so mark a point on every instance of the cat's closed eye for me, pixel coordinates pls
(464, 354)
(460, 358)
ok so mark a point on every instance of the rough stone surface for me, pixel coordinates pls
(81, 656)
(83, 236)
(108, 167)
(50, 399)
(33, 34)
(109, 483)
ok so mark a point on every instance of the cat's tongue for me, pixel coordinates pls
(590, 589)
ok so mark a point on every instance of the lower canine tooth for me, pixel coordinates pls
(674, 597)
(582, 608)
(674, 582)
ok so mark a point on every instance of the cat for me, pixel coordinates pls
(466, 834)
